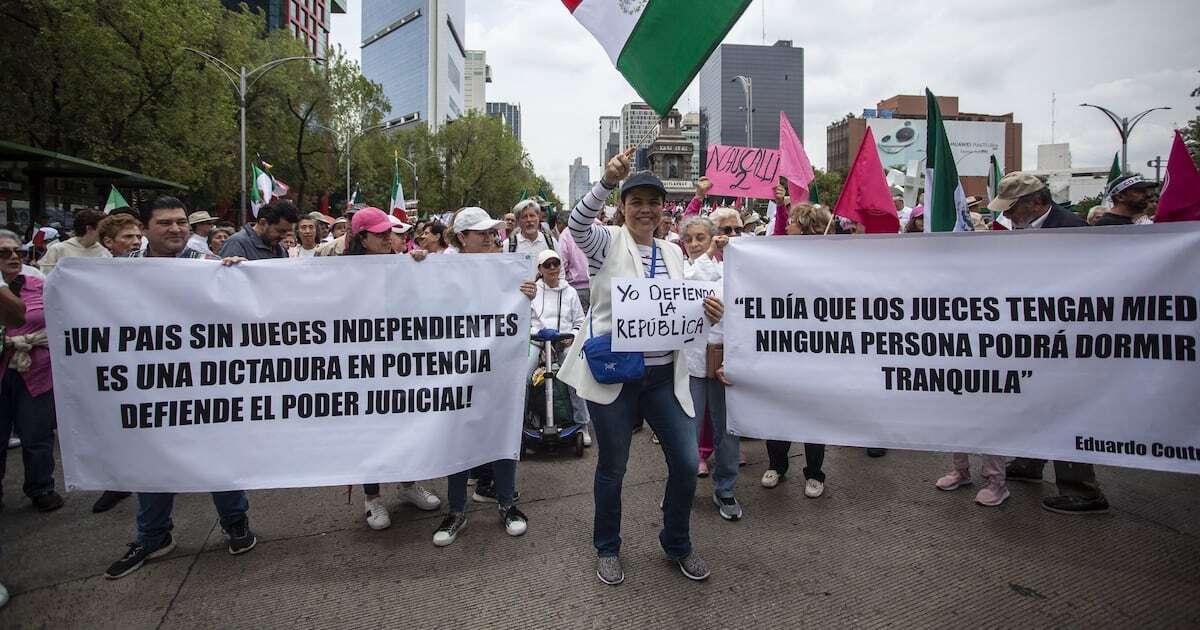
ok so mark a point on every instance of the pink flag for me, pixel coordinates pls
(866, 198)
(1180, 197)
(795, 166)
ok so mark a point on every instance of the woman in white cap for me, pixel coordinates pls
(557, 309)
(371, 233)
(476, 232)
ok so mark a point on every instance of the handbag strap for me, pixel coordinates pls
(653, 257)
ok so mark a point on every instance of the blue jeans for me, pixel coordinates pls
(709, 394)
(505, 472)
(652, 398)
(31, 418)
(154, 514)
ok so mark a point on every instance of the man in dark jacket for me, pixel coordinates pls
(261, 240)
(1025, 200)
(1131, 196)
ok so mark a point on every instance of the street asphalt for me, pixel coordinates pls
(881, 548)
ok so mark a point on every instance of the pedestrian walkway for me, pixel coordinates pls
(882, 547)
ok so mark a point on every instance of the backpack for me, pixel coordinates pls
(512, 240)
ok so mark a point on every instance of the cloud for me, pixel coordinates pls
(996, 58)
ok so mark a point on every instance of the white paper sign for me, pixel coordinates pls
(659, 314)
(1075, 345)
(186, 376)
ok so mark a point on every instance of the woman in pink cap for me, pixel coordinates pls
(371, 232)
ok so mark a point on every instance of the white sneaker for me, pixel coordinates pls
(14, 442)
(771, 479)
(587, 438)
(813, 488)
(377, 514)
(416, 495)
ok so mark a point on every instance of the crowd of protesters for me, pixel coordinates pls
(577, 256)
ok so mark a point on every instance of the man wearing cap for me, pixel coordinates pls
(1025, 201)
(1131, 195)
(201, 223)
(85, 243)
(661, 394)
(261, 240)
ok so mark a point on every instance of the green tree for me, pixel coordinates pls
(1191, 133)
(829, 186)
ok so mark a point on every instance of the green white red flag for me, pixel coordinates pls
(945, 202)
(115, 200)
(658, 45)
(397, 206)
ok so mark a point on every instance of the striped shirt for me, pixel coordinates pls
(594, 241)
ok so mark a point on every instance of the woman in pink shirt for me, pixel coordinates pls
(26, 399)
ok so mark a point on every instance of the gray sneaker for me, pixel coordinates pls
(730, 509)
(694, 567)
(608, 569)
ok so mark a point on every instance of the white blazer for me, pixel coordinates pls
(624, 261)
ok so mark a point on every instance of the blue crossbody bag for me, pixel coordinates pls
(608, 367)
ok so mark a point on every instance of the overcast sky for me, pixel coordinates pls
(996, 57)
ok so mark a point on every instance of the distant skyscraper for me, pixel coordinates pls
(479, 74)
(777, 74)
(308, 21)
(637, 120)
(509, 114)
(581, 180)
(415, 50)
(610, 138)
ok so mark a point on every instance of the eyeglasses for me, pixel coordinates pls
(489, 233)
(9, 253)
(731, 230)
(551, 264)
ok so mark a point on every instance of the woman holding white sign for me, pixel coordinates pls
(703, 246)
(371, 233)
(622, 388)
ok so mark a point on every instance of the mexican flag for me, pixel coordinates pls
(261, 192)
(945, 202)
(397, 202)
(995, 174)
(115, 200)
(658, 45)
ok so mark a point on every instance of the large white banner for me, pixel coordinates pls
(1078, 345)
(972, 143)
(184, 376)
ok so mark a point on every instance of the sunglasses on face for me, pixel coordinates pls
(732, 230)
(6, 252)
(551, 264)
(493, 234)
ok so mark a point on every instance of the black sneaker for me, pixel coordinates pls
(136, 557)
(241, 538)
(515, 522)
(876, 452)
(108, 501)
(1019, 471)
(486, 493)
(48, 502)
(1066, 504)
(448, 531)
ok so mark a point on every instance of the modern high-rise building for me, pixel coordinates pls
(776, 75)
(610, 138)
(509, 114)
(308, 20)
(415, 50)
(479, 74)
(581, 180)
(637, 121)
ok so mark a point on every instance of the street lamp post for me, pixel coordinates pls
(347, 142)
(413, 166)
(747, 87)
(242, 80)
(1125, 128)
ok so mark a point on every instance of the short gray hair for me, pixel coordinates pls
(724, 213)
(10, 235)
(694, 220)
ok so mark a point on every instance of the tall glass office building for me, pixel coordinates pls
(416, 51)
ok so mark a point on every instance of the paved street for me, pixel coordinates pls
(881, 548)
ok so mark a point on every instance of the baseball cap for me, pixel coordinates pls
(547, 254)
(200, 217)
(371, 220)
(1125, 182)
(643, 179)
(1012, 187)
(398, 226)
(474, 218)
(321, 218)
